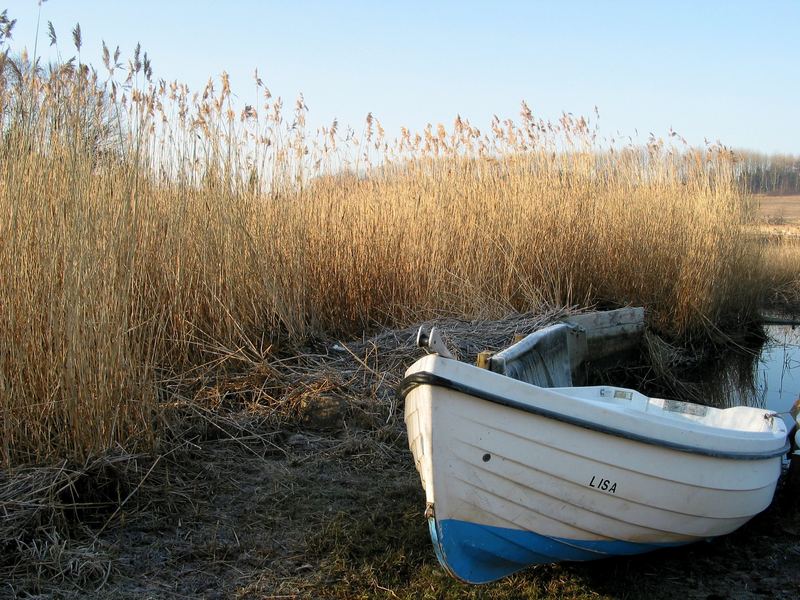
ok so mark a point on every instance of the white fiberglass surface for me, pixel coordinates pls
(624, 409)
(740, 418)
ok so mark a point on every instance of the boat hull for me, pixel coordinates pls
(509, 488)
(483, 553)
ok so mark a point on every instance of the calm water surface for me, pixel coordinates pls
(766, 377)
(777, 371)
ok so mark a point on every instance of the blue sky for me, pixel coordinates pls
(717, 70)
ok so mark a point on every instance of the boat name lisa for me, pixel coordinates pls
(603, 484)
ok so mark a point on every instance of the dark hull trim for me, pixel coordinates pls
(427, 378)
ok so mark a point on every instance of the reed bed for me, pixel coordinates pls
(147, 229)
(781, 274)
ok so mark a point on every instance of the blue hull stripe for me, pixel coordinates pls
(482, 553)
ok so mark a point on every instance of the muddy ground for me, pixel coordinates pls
(325, 503)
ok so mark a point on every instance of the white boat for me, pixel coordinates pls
(517, 474)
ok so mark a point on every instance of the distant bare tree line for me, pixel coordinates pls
(769, 173)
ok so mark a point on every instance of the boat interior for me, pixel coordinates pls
(544, 359)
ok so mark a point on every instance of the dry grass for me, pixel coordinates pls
(778, 233)
(782, 273)
(57, 520)
(779, 209)
(147, 231)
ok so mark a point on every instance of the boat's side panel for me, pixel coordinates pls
(580, 467)
(497, 468)
(419, 421)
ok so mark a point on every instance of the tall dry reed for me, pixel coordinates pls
(781, 272)
(146, 228)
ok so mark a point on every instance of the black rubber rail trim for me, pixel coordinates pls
(427, 378)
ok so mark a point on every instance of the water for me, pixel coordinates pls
(777, 371)
(767, 376)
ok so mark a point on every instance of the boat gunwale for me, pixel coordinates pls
(420, 378)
